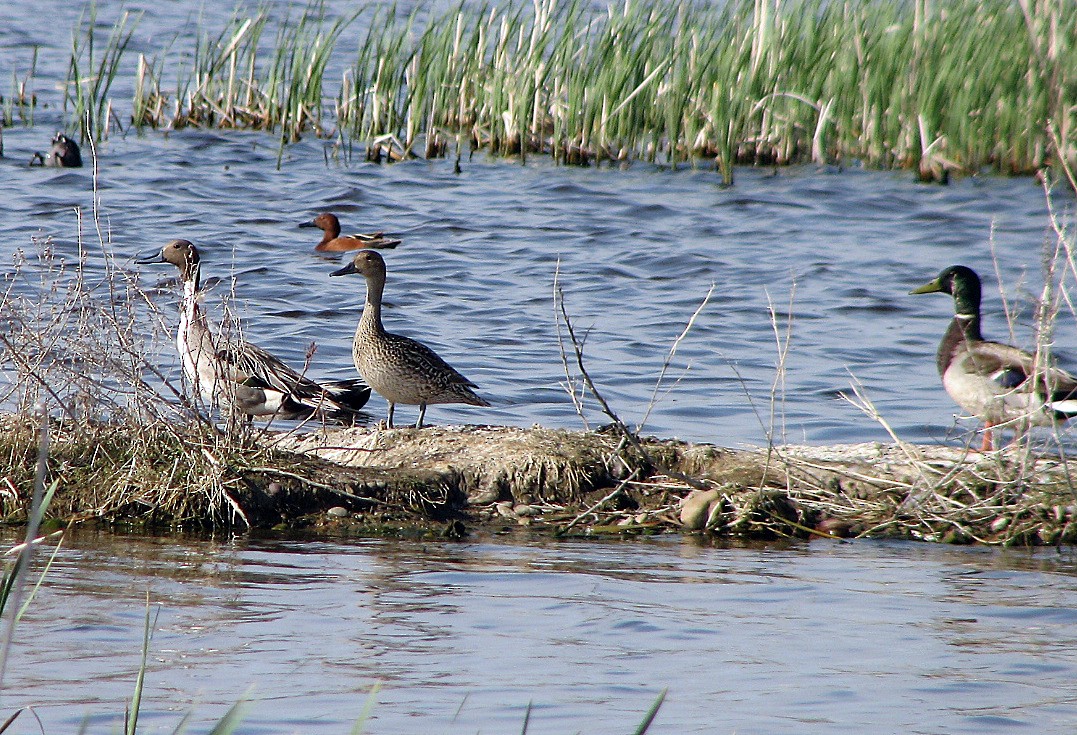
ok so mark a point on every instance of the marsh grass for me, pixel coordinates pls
(937, 88)
(21, 99)
(92, 71)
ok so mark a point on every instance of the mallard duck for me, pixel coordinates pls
(334, 242)
(998, 383)
(399, 368)
(239, 377)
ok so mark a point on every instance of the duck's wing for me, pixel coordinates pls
(253, 366)
(376, 240)
(1012, 370)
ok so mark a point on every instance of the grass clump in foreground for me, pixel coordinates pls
(957, 86)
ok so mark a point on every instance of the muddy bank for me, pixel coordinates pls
(447, 480)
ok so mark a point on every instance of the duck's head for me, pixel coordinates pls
(960, 282)
(180, 253)
(65, 152)
(367, 263)
(324, 221)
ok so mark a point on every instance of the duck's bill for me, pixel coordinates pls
(308, 224)
(148, 258)
(349, 268)
(933, 287)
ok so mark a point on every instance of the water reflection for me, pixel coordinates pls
(810, 637)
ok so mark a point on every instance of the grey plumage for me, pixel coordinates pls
(400, 369)
(237, 376)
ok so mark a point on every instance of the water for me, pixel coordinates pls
(634, 250)
(819, 638)
(808, 638)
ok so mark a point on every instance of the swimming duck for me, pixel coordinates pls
(333, 242)
(399, 368)
(63, 154)
(241, 378)
(996, 382)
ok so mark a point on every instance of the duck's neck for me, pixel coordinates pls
(966, 293)
(371, 319)
(190, 314)
(967, 310)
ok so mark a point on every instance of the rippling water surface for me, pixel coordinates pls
(636, 251)
(820, 638)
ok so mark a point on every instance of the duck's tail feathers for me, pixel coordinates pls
(347, 396)
(1064, 401)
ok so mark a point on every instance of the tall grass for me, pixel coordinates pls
(935, 87)
(92, 71)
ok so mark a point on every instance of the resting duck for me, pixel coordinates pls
(240, 378)
(333, 242)
(993, 381)
(399, 368)
(63, 154)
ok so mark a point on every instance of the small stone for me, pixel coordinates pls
(524, 510)
(999, 523)
(505, 509)
(338, 512)
(695, 508)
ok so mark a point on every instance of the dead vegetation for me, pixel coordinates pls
(447, 480)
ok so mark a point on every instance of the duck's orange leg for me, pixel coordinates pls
(989, 443)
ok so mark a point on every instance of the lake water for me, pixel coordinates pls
(636, 251)
(819, 638)
(808, 638)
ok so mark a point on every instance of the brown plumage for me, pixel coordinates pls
(399, 368)
(334, 242)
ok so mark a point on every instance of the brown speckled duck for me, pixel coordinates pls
(399, 368)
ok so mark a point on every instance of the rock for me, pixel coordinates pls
(695, 509)
(338, 511)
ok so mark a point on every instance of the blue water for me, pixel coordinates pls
(635, 252)
(820, 638)
(808, 638)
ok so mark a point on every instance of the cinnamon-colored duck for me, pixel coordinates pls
(334, 242)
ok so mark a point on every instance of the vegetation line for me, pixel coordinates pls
(937, 88)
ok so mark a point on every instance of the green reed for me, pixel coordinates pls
(939, 87)
(92, 70)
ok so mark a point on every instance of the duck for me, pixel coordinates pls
(240, 378)
(998, 383)
(334, 242)
(64, 153)
(400, 369)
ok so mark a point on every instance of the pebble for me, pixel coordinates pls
(338, 512)
(695, 509)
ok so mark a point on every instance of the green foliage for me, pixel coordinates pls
(953, 86)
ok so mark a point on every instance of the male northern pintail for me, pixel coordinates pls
(63, 154)
(333, 242)
(1000, 384)
(234, 374)
(400, 369)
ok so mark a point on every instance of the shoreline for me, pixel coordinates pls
(447, 481)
